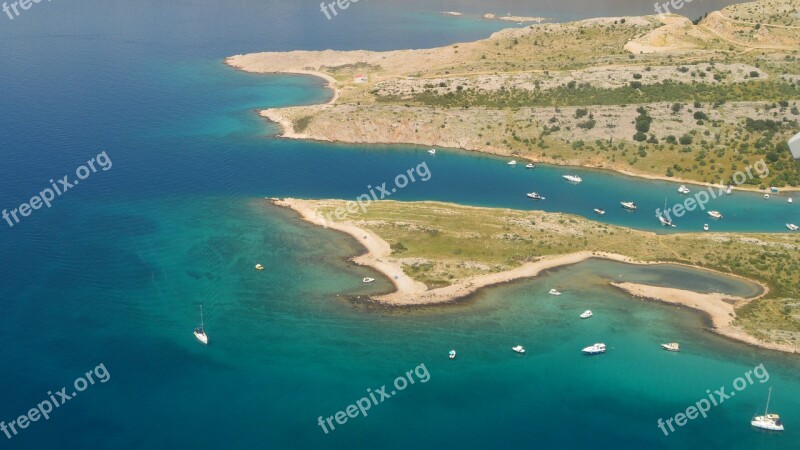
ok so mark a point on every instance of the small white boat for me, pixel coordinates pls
(705, 227)
(665, 222)
(259, 267)
(683, 190)
(599, 211)
(368, 280)
(572, 178)
(768, 421)
(586, 314)
(518, 349)
(671, 347)
(790, 200)
(729, 191)
(553, 292)
(432, 151)
(595, 349)
(535, 196)
(200, 332)
(628, 205)
(792, 227)
(512, 163)
(715, 214)
(766, 196)
(530, 166)
(452, 354)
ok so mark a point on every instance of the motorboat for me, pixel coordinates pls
(518, 349)
(553, 292)
(432, 151)
(599, 211)
(530, 166)
(595, 349)
(368, 280)
(683, 190)
(535, 196)
(671, 347)
(452, 354)
(705, 227)
(586, 314)
(628, 205)
(200, 332)
(792, 227)
(715, 214)
(790, 200)
(259, 267)
(572, 178)
(512, 163)
(768, 421)
(729, 190)
(766, 196)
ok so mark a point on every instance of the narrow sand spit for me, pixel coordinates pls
(720, 308)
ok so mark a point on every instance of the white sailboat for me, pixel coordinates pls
(768, 421)
(432, 151)
(665, 221)
(573, 178)
(513, 162)
(586, 314)
(200, 332)
(518, 349)
(628, 205)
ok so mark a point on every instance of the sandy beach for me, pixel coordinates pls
(720, 308)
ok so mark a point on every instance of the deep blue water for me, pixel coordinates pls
(115, 271)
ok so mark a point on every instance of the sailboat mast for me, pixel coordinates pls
(768, 396)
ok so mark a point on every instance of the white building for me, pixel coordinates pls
(360, 79)
(794, 146)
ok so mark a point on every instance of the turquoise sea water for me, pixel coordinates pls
(115, 272)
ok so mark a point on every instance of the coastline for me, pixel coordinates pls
(288, 131)
(720, 308)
